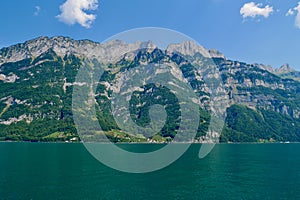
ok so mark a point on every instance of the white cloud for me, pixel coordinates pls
(254, 10)
(74, 11)
(297, 21)
(290, 12)
(37, 10)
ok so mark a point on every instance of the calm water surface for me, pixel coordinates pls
(230, 171)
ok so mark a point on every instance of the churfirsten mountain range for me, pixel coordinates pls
(37, 79)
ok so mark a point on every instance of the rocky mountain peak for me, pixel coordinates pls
(216, 54)
(268, 68)
(284, 69)
(33, 48)
(148, 45)
(188, 48)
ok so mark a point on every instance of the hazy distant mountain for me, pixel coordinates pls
(285, 71)
(37, 77)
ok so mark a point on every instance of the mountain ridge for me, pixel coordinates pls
(61, 42)
(37, 79)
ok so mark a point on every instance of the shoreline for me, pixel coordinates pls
(160, 143)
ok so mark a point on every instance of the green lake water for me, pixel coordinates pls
(230, 171)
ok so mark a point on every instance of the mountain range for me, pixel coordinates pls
(37, 80)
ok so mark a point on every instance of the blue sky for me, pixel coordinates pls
(260, 32)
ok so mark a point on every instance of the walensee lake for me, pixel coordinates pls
(230, 171)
